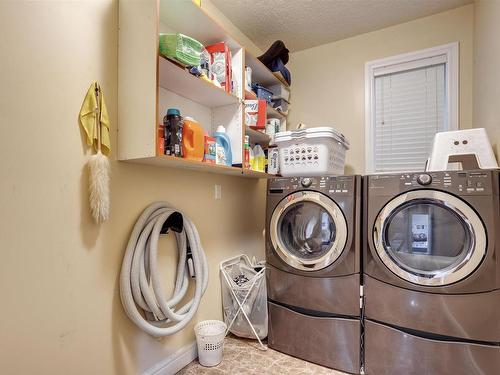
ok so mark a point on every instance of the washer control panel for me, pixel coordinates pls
(306, 182)
(458, 182)
(424, 179)
(326, 184)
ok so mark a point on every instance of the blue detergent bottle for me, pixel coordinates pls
(223, 143)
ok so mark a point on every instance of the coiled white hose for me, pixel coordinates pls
(140, 287)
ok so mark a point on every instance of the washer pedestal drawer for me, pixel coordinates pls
(330, 342)
(335, 295)
(389, 351)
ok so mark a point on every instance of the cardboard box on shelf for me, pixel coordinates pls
(160, 144)
(210, 150)
(220, 62)
(255, 113)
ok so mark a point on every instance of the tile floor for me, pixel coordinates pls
(243, 356)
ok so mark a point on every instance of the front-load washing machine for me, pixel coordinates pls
(431, 273)
(313, 269)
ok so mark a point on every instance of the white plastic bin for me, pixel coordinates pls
(210, 341)
(311, 152)
(280, 91)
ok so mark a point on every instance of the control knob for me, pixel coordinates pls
(424, 179)
(306, 182)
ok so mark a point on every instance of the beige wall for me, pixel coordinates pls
(487, 69)
(61, 312)
(328, 80)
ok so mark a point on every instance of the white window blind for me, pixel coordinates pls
(409, 108)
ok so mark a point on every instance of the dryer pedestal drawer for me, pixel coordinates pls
(468, 316)
(389, 351)
(335, 295)
(330, 342)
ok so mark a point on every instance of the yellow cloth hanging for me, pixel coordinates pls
(87, 117)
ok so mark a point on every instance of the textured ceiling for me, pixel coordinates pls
(304, 24)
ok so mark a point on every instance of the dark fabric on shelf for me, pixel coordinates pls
(277, 50)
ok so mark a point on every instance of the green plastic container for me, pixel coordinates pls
(181, 47)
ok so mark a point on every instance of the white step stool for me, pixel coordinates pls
(471, 148)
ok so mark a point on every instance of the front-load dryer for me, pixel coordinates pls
(431, 273)
(313, 269)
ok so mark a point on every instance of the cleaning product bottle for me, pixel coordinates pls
(246, 150)
(251, 159)
(260, 158)
(172, 123)
(193, 142)
(224, 155)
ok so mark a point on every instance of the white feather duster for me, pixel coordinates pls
(98, 169)
(99, 186)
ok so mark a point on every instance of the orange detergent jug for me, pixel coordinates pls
(193, 140)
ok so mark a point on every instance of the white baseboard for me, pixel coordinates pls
(174, 362)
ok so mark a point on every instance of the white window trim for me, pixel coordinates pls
(451, 51)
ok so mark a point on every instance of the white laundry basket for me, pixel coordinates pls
(210, 340)
(311, 152)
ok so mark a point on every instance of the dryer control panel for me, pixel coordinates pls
(457, 182)
(326, 184)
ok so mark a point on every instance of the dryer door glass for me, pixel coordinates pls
(430, 238)
(307, 230)
(426, 237)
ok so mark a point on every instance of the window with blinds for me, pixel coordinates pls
(409, 107)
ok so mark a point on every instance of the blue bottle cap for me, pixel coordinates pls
(173, 112)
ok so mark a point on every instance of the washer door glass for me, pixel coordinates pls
(430, 238)
(307, 230)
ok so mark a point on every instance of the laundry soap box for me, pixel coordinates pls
(210, 149)
(220, 62)
(255, 113)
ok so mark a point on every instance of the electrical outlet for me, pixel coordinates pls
(218, 192)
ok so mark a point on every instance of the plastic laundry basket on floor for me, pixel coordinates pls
(210, 340)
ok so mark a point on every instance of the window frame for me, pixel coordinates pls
(451, 51)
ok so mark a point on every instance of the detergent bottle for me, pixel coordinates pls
(259, 158)
(172, 124)
(224, 155)
(193, 140)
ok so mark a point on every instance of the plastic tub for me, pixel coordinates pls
(282, 104)
(182, 48)
(280, 92)
(311, 152)
(210, 341)
(262, 92)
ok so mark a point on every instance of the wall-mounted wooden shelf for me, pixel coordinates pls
(174, 78)
(149, 84)
(250, 95)
(257, 137)
(175, 162)
(281, 78)
(260, 73)
(256, 174)
(273, 113)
